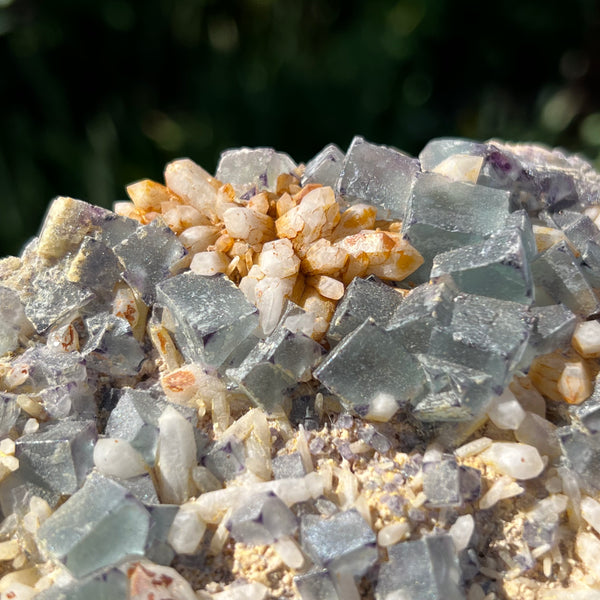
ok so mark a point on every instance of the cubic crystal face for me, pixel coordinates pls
(325, 167)
(212, 315)
(378, 175)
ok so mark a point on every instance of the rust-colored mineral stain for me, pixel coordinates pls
(179, 381)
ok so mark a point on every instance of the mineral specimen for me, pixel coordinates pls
(374, 376)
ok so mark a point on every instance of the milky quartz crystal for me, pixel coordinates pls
(370, 376)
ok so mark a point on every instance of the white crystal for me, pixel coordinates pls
(586, 339)
(117, 458)
(277, 259)
(460, 167)
(462, 531)
(187, 530)
(587, 546)
(248, 591)
(289, 552)
(505, 412)
(519, 461)
(192, 183)
(393, 533)
(501, 489)
(472, 448)
(590, 511)
(209, 262)
(176, 457)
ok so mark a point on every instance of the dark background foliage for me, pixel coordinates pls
(95, 95)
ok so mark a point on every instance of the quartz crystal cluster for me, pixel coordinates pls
(370, 376)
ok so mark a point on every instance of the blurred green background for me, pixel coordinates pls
(95, 95)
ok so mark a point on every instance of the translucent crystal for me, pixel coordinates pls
(325, 167)
(59, 455)
(519, 220)
(142, 488)
(557, 274)
(453, 392)
(95, 266)
(553, 327)
(12, 321)
(111, 347)
(149, 255)
(363, 298)
(251, 170)
(519, 461)
(578, 228)
(427, 569)
(261, 519)
(111, 583)
(288, 465)
(9, 413)
(98, 526)
(192, 183)
(158, 549)
(541, 523)
(423, 308)
(212, 316)
(378, 175)
(581, 452)
(485, 334)
(371, 372)
(438, 150)
(497, 267)
(442, 215)
(342, 542)
(226, 459)
(441, 482)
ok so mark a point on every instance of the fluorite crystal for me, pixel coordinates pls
(373, 376)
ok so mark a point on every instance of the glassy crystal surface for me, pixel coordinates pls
(438, 150)
(485, 334)
(371, 372)
(158, 549)
(211, 314)
(111, 347)
(557, 273)
(98, 526)
(251, 170)
(427, 569)
(519, 220)
(442, 215)
(316, 585)
(288, 465)
(342, 542)
(107, 585)
(325, 167)
(262, 519)
(12, 321)
(377, 175)
(363, 298)
(9, 413)
(452, 392)
(497, 267)
(59, 455)
(581, 451)
(578, 228)
(149, 254)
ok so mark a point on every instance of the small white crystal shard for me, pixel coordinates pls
(501, 489)
(199, 238)
(462, 531)
(117, 458)
(574, 383)
(519, 461)
(249, 225)
(587, 546)
(472, 448)
(289, 552)
(505, 412)
(382, 408)
(209, 262)
(393, 533)
(586, 339)
(193, 184)
(460, 167)
(590, 511)
(176, 457)
(187, 530)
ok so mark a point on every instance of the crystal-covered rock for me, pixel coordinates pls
(342, 542)
(378, 175)
(59, 455)
(427, 568)
(211, 315)
(325, 167)
(371, 372)
(288, 465)
(98, 526)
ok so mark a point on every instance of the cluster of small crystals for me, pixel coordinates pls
(374, 376)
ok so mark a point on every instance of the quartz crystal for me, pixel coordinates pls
(368, 376)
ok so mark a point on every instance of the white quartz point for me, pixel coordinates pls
(590, 511)
(176, 457)
(117, 458)
(289, 552)
(503, 488)
(192, 183)
(277, 259)
(186, 530)
(393, 533)
(460, 167)
(586, 339)
(505, 412)
(461, 531)
(519, 461)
